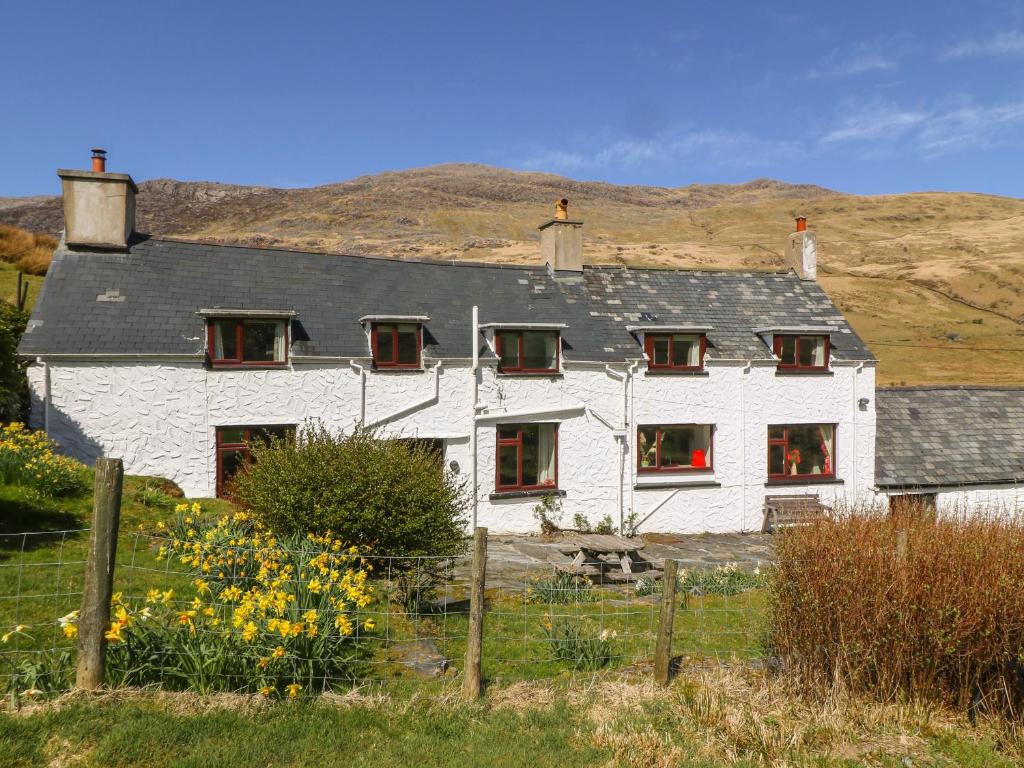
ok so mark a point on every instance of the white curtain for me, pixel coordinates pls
(218, 340)
(550, 340)
(279, 331)
(819, 352)
(826, 433)
(545, 454)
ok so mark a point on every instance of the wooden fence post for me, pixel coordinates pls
(663, 647)
(94, 617)
(471, 684)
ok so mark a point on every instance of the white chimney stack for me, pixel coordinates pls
(99, 207)
(802, 251)
(561, 240)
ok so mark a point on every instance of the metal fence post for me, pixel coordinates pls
(667, 615)
(471, 683)
(94, 617)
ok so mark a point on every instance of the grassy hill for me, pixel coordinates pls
(933, 281)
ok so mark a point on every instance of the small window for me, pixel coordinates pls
(675, 351)
(248, 342)
(678, 448)
(528, 351)
(798, 352)
(396, 345)
(233, 452)
(527, 457)
(801, 451)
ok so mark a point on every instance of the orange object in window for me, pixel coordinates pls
(697, 458)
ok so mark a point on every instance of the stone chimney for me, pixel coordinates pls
(802, 251)
(99, 207)
(561, 240)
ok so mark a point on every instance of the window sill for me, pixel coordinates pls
(247, 366)
(530, 374)
(677, 484)
(397, 369)
(806, 372)
(535, 493)
(656, 372)
(805, 481)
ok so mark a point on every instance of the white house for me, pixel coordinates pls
(681, 398)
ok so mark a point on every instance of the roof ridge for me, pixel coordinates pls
(951, 388)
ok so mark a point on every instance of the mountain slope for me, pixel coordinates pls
(933, 281)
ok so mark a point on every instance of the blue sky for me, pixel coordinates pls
(864, 97)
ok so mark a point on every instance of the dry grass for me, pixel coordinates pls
(28, 252)
(905, 605)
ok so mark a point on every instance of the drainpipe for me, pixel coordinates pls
(410, 409)
(623, 439)
(743, 439)
(856, 456)
(46, 394)
(472, 420)
(362, 390)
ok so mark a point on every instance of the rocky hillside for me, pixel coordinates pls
(933, 281)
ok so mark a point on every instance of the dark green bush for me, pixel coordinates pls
(13, 385)
(388, 494)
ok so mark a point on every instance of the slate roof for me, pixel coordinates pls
(144, 302)
(949, 436)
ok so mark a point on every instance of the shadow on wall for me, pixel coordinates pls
(71, 438)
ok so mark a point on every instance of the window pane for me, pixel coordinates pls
(809, 450)
(509, 344)
(776, 433)
(788, 352)
(231, 462)
(812, 351)
(385, 344)
(686, 350)
(508, 433)
(531, 464)
(539, 350)
(225, 342)
(776, 459)
(647, 444)
(660, 346)
(408, 344)
(688, 446)
(546, 437)
(230, 436)
(265, 434)
(259, 341)
(508, 458)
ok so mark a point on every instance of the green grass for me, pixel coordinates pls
(9, 283)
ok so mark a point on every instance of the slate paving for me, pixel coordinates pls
(513, 560)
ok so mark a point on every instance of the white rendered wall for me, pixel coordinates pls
(983, 499)
(161, 419)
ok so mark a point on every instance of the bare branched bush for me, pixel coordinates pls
(905, 605)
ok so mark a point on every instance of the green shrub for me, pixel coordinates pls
(726, 580)
(905, 605)
(386, 494)
(27, 458)
(578, 643)
(559, 589)
(13, 384)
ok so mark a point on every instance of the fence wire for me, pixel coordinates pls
(192, 611)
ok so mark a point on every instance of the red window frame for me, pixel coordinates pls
(784, 442)
(649, 340)
(799, 337)
(375, 335)
(517, 444)
(235, 362)
(499, 343)
(224, 446)
(710, 458)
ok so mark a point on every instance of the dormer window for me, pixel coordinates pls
(802, 352)
(675, 351)
(397, 345)
(522, 351)
(247, 340)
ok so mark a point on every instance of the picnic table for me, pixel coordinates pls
(612, 558)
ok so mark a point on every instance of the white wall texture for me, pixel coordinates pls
(161, 419)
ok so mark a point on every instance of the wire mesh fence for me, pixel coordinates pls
(222, 607)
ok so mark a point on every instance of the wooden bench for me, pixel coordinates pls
(787, 511)
(598, 555)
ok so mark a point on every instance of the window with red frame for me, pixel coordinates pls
(528, 351)
(675, 351)
(233, 449)
(256, 342)
(396, 345)
(677, 448)
(527, 457)
(801, 352)
(798, 451)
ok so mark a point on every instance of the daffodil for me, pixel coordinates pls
(293, 690)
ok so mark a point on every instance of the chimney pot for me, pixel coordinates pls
(561, 240)
(99, 160)
(801, 223)
(562, 209)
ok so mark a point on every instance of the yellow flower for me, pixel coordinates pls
(278, 652)
(167, 596)
(266, 690)
(293, 690)
(114, 633)
(343, 624)
(309, 616)
(249, 632)
(369, 625)
(197, 508)
(70, 631)
(152, 595)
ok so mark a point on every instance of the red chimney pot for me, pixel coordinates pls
(99, 160)
(801, 223)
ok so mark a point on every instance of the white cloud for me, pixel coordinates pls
(860, 61)
(933, 131)
(727, 148)
(1009, 43)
